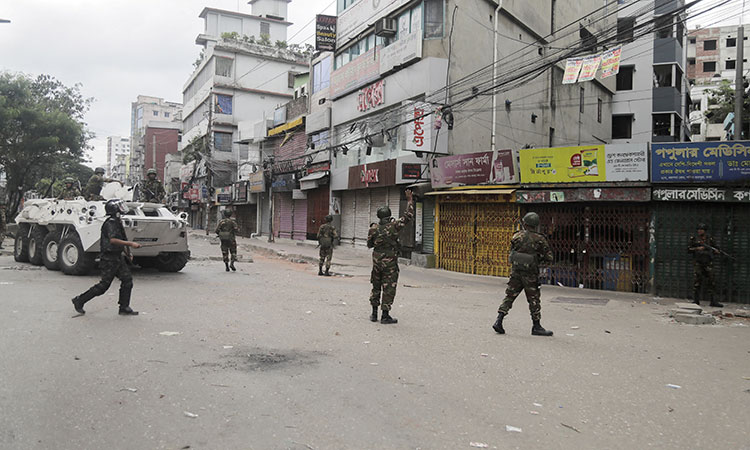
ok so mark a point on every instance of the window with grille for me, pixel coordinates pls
(709, 44)
(222, 141)
(223, 104)
(224, 67)
(265, 28)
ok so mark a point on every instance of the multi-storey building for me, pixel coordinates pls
(652, 99)
(118, 151)
(144, 111)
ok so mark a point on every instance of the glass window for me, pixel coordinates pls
(322, 74)
(354, 51)
(662, 125)
(223, 104)
(265, 28)
(321, 140)
(662, 76)
(709, 66)
(224, 67)
(730, 64)
(140, 112)
(156, 113)
(599, 110)
(709, 44)
(222, 141)
(625, 78)
(370, 41)
(433, 19)
(166, 114)
(622, 127)
(625, 28)
(731, 42)
(583, 96)
(663, 26)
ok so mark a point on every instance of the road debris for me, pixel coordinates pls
(366, 342)
(189, 414)
(674, 386)
(513, 429)
(227, 347)
(478, 445)
(569, 334)
(484, 355)
(373, 364)
(570, 426)
(128, 389)
(534, 413)
(169, 333)
(538, 405)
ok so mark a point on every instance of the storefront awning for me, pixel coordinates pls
(286, 126)
(474, 191)
(313, 180)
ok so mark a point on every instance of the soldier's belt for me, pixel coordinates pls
(522, 258)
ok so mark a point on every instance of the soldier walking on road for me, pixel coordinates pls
(152, 189)
(703, 248)
(70, 191)
(112, 262)
(326, 235)
(227, 231)
(94, 186)
(2, 224)
(383, 239)
(528, 249)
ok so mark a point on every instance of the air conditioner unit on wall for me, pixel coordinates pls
(386, 27)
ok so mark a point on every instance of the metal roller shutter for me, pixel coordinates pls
(394, 201)
(300, 220)
(284, 208)
(428, 225)
(378, 198)
(347, 215)
(362, 216)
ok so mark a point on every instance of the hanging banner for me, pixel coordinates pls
(325, 33)
(572, 68)
(589, 67)
(610, 61)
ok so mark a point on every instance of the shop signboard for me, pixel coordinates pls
(700, 194)
(378, 174)
(360, 72)
(325, 33)
(257, 182)
(283, 183)
(473, 168)
(419, 130)
(240, 192)
(604, 194)
(584, 164)
(700, 162)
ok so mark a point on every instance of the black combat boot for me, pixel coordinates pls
(127, 311)
(231, 266)
(78, 305)
(695, 297)
(226, 264)
(386, 318)
(538, 330)
(320, 270)
(328, 274)
(374, 315)
(715, 304)
(498, 326)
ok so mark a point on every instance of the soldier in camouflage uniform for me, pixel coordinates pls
(227, 231)
(383, 239)
(528, 249)
(326, 235)
(703, 248)
(152, 189)
(96, 182)
(2, 224)
(70, 191)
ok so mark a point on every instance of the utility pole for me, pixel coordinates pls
(739, 85)
(153, 151)
(208, 157)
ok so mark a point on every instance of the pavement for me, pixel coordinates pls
(275, 357)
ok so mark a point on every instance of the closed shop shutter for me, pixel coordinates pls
(495, 225)
(317, 210)
(265, 212)
(246, 219)
(347, 215)
(394, 201)
(428, 225)
(362, 217)
(378, 198)
(284, 207)
(300, 220)
(456, 227)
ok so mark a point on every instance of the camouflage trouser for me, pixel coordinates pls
(703, 277)
(110, 268)
(384, 277)
(528, 283)
(326, 253)
(226, 248)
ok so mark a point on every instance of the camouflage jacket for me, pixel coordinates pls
(94, 186)
(383, 237)
(228, 226)
(327, 231)
(69, 194)
(530, 243)
(701, 256)
(152, 191)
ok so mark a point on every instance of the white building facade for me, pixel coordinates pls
(143, 112)
(118, 155)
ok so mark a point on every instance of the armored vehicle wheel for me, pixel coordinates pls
(36, 247)
(49, 250)
(171, 262)
(21, 246)
(71, 258)
(146, 262)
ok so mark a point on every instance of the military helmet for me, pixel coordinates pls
(151, 171)
(69, 180)
(328, 219)
(115, 206)
(99, 170)
(384, 212)
(701, 226)
(531, 219)
(227, 213)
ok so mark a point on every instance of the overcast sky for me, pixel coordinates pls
(118, 49)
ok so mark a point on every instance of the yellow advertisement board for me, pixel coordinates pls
(563, 164)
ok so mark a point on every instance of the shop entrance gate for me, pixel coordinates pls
(475, 237)
(603, 246)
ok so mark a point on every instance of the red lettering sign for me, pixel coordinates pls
(368, 176)
(575, 160)
(371, 96)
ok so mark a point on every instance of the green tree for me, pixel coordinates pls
(721, 103)
(42, 131)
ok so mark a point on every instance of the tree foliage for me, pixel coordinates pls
(42, 131)
(721, 103)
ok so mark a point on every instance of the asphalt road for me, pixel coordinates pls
(275, 357)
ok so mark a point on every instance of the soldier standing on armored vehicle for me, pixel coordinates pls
(703, 248)
(383, 239)
(528, 249)
(70, 191)
(227, 231)
(96, 182)
(152, 189)
(326, 235)
(112, 263)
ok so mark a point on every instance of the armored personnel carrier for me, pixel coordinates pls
(64, 234)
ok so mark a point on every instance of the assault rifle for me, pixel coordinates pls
(716, 250)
